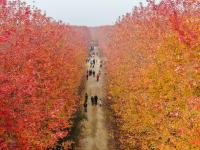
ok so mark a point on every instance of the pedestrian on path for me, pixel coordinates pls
(86, 97)
(91, 63)
(97, 77)
(85, 106)
(87, 76)
(90, 72)
(92, 100)
(93, 73)
(96, 99)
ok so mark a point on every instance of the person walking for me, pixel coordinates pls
(97, 77)
(90, 72)
(92, 100)
(86, 97)
(92, 48)
(93, 73)
(91, 63)
(85, 106)
(96, 99)
(87, 76)
(101, 63)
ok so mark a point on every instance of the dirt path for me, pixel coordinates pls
(95, 135)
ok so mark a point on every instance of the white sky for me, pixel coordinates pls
(86, 12)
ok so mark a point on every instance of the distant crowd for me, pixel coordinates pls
(92, 66)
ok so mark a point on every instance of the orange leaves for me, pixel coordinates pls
(194, 103)
(153, 77)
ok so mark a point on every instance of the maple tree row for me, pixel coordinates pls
(153, 66)
(41, 62)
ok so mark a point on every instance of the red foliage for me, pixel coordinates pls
(40, 69)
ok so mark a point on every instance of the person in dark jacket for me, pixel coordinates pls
(86, 97)
(93, 73)
(95, 99)
(87, 76)
(92, 100)
(85, 106)
(90, 72)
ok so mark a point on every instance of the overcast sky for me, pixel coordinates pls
(86, 12)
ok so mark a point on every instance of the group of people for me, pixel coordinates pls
(91, 61)
(91, 71)
(94, 100)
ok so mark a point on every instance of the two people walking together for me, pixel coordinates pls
(94, 101)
